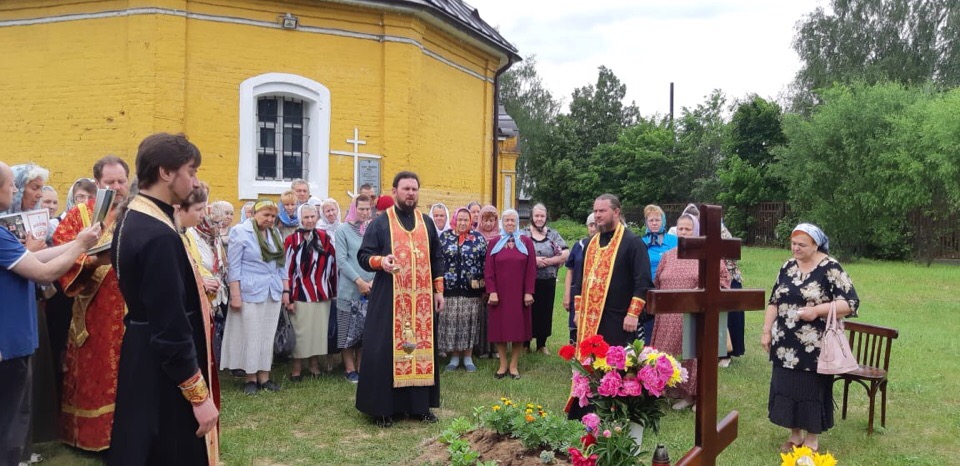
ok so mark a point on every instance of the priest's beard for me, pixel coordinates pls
(406, 206)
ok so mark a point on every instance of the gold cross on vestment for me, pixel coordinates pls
(707, 303)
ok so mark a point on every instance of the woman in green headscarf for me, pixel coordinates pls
(258, 286)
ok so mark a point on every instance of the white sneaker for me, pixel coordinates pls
(684, 404)
(725, 362)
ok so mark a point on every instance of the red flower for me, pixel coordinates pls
(594, 346)
(588, 440)
(580, 460)
(567, 352)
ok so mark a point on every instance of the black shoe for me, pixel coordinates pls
(296, 378)
(429, 417)
(515, 376)
(269, 385)
(499, 375)
(384, 422)
(238, 373)
(250, 388)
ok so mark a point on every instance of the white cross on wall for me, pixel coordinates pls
(356, 142)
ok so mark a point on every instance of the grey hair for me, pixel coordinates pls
(539, 206)
(47, 187)
(298, 181)
(509, 212)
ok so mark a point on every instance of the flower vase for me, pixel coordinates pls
(636, 432)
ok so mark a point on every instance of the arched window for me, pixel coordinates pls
(284, 134)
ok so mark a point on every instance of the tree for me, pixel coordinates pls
(745, 178)
(533, 108)
(598, 112)
(701, 133)
(904, 41)
(849, 167)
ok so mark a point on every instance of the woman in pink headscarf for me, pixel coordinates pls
(489, 225)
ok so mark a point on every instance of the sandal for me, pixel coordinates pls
(788, 446)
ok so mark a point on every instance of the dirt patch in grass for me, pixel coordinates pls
(491, 446)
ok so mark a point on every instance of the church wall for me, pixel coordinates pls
(77, 90)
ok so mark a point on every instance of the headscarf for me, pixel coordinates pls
(819, 237)
(265, 252)
(446, 226)
(287, 220)
(695, 220)
(488, 234)
(504, 236)
(461, 237)
(656, 237)
(23, 174)
(353, 220)
(384, 203)
(322, 222)
(70, 192)
(243, 211)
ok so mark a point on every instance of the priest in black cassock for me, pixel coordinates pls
(165, 409)
(613, 285)
(399, 376)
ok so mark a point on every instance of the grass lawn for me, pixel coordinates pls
(315, 422)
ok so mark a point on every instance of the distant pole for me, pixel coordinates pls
(671, 104)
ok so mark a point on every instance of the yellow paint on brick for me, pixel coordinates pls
(79, 89)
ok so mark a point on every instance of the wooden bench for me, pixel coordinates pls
(871, 346)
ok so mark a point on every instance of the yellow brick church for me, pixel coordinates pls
(338, 92)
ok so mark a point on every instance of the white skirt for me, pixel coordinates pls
(248, 337)
(310, 323)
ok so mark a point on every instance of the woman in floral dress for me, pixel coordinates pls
(800, 398)
(464, 253)
(680, 274)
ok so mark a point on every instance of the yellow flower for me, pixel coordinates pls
(496, 407)
(528, 411)
(601, 364)
(804, 456)
(543, 414)
(652, 357)
(628, 363)
(529, 418)
(508, 403)
(529, 405)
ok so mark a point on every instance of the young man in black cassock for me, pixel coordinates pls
(613, 287)
(165, 411)
(399, 374)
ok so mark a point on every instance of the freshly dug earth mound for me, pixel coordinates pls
(491, 446)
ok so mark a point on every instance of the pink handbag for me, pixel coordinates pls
(835, 355)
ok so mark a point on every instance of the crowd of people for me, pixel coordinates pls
(401, 291)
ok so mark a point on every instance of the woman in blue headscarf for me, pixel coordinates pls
(658, 242)
(808, 285)
(510, 274)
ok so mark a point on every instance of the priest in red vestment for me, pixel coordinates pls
(399, 374)
(96, 329)
(614, 283)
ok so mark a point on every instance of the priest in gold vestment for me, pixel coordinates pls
(399, 375)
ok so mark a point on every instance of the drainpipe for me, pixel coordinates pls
(496, 110)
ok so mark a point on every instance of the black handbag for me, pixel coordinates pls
(285, 339)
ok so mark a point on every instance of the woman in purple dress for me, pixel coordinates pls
(510, 274)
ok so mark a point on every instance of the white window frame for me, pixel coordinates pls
(316, 100)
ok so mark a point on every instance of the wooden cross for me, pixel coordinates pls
(707, 303)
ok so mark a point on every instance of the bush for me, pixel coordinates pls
(530, 424)
(571, 231)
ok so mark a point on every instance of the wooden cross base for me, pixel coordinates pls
(707, 303)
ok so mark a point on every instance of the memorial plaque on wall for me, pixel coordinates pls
(369, 173)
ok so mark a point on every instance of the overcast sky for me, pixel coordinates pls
(739, 46)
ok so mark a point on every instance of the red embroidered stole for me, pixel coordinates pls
(597, 270)
(413, 345)
(212, 439)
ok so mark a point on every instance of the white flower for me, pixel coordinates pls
(811, 292)
(809, 337)
(788, 356)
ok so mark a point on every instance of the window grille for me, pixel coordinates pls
(282, 138)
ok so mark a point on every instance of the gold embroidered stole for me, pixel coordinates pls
(597, 270)
(150, 209)
(413, 345)
(91, 286)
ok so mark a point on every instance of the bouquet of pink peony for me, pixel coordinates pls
(624, 383)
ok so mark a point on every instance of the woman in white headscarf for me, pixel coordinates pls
(330, 217)
(441, 217)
